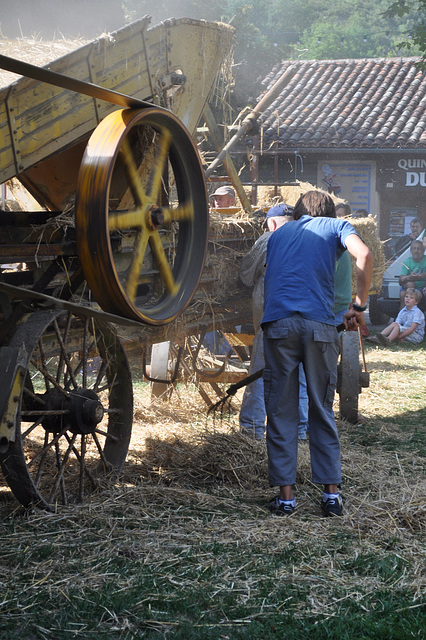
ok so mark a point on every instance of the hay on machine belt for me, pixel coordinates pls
(230, 239)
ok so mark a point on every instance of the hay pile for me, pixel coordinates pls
(179, 457)
(35, 51)
(190, 512)
(266, 196)
(230, 239)
(196, 460)
(367, 229)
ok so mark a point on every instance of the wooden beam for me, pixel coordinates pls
(227, 162)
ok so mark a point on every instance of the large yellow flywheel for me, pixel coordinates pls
(142, 215)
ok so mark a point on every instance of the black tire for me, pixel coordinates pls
(375, 314)
(348, 386)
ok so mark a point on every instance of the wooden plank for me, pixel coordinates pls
(6, 150)
(26, 252)
(123, 65)
(55, 119)
(227, 376)
(196, 50)
(239, 339)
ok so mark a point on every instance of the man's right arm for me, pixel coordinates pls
(405, 272)
(364, 271)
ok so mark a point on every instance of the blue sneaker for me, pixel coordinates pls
(280, 509)
(332, 506)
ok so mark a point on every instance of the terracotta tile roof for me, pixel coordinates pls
(367, 104)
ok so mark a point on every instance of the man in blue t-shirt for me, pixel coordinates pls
(299, 326)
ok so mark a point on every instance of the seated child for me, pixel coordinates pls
(409, 325)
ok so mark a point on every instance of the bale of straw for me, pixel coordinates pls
(367, 229)
(268, 195)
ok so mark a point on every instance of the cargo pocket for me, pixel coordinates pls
(276, 331)
(266, 385)
(326, 336)
(331, 390)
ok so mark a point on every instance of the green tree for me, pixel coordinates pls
(413, 13)
(268, 31)
(357, 29)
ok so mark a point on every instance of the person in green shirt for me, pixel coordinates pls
(413, 271)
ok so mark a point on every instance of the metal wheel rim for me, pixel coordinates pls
(166, 259)
(46, 468)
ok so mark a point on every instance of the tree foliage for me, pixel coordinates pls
(415, 11)
(267, 31)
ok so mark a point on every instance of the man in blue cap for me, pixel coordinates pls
(252, 271)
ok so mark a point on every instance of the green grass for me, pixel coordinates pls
(410, 426)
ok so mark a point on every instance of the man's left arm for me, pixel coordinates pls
(364, 271)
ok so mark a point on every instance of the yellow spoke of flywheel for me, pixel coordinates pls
(139, 249)
(130, 219)
(184, 211)
(133, 174)
(163, 264)
(160, 164)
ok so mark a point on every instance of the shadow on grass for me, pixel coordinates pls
(388, 365)
(403, 432)
(201, 460)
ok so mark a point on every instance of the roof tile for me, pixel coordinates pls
(366, 103)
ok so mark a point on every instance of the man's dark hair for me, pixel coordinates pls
(346, 208)
(361, 213)
(315, 204)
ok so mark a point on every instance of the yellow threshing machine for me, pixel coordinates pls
(102, 139)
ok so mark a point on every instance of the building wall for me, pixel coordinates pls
(391, 186)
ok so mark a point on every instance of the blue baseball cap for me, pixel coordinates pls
(280, 209)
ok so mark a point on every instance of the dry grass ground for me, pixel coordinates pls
(182, 546)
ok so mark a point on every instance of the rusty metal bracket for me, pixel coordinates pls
(175, 372)
(208, 373)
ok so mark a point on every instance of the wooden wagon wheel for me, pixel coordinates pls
(74, 418)
(142, 215)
